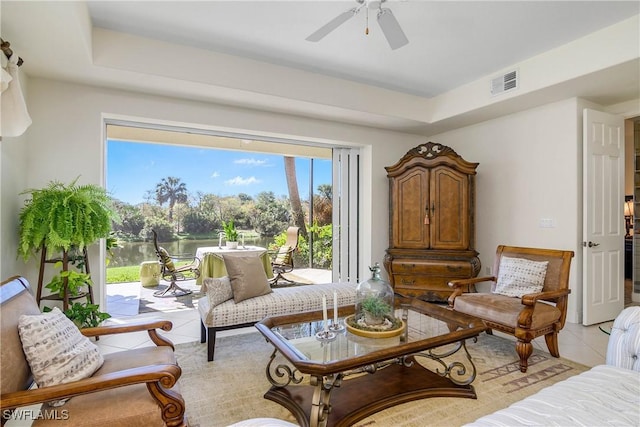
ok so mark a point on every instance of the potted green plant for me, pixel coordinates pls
(65, 219)
(375, 309)
(231, 234)
(61, 216)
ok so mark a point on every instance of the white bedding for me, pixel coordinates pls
(603, 396)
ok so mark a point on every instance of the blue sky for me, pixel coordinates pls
(133, 168)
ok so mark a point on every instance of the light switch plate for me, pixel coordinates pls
(547, 223)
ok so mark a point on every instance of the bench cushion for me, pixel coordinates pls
(281, 301)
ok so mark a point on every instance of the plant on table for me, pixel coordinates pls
(230, 231)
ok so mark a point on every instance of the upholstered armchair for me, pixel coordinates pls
(528, 298)
(129, 388)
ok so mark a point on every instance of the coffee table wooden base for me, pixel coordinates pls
(359, 397)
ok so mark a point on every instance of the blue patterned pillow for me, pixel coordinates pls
(519, 276)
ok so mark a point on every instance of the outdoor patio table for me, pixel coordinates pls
(212, 264)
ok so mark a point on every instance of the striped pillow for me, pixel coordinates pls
(56, 350)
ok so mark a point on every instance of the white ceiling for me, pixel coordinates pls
(254, 54)
(451, 42)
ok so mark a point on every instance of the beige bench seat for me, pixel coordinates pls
(230, 315)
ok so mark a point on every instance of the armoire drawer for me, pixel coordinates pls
(441, 268)
(407, 281)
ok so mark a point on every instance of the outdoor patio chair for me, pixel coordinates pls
(282, 260)
(171, 273)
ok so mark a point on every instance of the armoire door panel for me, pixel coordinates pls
(412, 191)
(450, 195)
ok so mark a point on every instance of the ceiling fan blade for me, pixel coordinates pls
(391, 29)
(332, 25)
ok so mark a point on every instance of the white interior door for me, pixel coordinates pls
(603, 216)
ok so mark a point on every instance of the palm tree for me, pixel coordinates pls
(171, 190)
(323, 204)
(294, 195)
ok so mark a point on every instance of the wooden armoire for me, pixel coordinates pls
(431, 222)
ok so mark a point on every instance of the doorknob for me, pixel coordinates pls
(590, 244)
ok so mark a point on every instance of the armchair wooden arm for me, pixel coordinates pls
(472, 281)
(458, 284)
(525, 318)
(531, 299)
(164, 375)
(149, 325)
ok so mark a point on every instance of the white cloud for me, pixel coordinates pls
(215, 174)
(238, 180)
(150, 165)
(250, 162)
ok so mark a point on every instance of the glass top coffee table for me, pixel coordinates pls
(340, 381)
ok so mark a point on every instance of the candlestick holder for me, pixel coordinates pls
(336, 327)
(325, 335)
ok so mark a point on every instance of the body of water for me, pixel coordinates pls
(134, 253)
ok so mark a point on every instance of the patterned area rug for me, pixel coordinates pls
(231, 388)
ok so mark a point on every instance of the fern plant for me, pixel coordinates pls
(63, 216)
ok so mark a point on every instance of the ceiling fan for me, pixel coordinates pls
(387, 21)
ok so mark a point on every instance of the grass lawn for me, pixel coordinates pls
(131, 273)
(123, 274)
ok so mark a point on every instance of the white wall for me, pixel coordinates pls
(13, 178)
(530, 168)
(66, 140)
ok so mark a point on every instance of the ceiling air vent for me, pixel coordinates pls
(504, 83)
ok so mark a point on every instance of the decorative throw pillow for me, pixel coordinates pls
(519, 276)
(218, 290)
(56, 350)
(247, 276)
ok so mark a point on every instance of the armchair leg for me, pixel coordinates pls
(203, 332)
(524, 350)
(552, 343)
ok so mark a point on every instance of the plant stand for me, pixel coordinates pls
(66, 258)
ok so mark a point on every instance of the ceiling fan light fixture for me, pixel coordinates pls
(386, 19)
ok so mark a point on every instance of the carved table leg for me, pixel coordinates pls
(320, 406)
